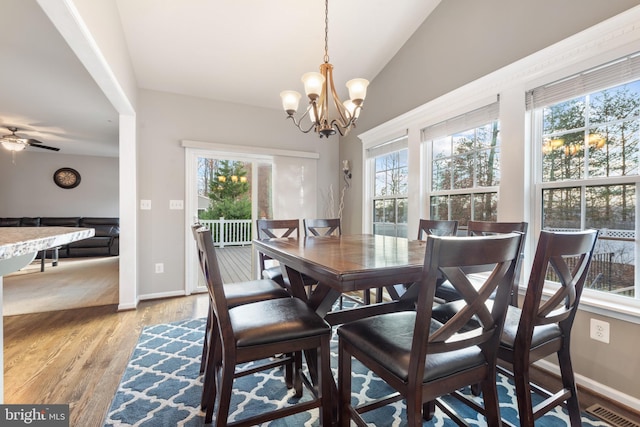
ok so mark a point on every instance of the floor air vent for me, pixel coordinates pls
(610, 416)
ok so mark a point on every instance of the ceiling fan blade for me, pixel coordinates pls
(37, 144)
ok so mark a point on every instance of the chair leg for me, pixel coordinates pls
(344, 386)
(296, 367)
(223, 401)
(492, 404)
(523, 392)
(213, 359)
(414, 410)
(326, 381)
(205, 345)
(569, 383)
(428, 410)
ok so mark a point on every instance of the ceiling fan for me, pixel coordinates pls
(15, 142)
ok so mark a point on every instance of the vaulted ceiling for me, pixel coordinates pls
(241, 51)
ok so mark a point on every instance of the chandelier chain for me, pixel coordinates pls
(326, 31)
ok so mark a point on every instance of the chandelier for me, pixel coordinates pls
(326, 112)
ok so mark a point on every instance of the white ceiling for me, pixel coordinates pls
(243, 51)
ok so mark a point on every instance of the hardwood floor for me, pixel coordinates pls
(78, 356)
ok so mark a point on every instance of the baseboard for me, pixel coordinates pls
(594, 386)
(161, 295)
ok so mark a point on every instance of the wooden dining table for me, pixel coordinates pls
(348, 263)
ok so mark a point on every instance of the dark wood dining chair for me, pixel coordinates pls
(278, 228)
(236, 294)
(257, 331)
(322, 226)
(437, 227)
(423, 359)
(327, 227)
(543, 326)
(426, 227)
(445, 291)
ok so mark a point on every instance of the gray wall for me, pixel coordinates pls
(27, 187)
(460, 42)
(166, 119)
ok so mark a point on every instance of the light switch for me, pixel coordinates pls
(176, 204)
(145, 204)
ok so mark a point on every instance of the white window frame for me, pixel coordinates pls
(605, 41)
(600, 302)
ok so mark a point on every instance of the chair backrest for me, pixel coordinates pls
(487, 228)
(448, 256)
(569, 255)
(213, 278)
(322, 227)
(436, 227)
(274, 228)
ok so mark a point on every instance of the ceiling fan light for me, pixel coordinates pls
(313, 84)
(357, 90)
(14, 145)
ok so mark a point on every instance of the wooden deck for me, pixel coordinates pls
(235, 263)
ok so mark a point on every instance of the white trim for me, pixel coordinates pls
(162, 295)
(588, 383)
(254, 151)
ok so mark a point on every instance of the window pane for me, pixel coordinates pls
(463, 171)
(563, 157)
(439, 208)
(463, 142)
(564, 116)
(487, 136)
(390, 210)
(461, 208)
(488, 168)
(402, 211)
(441, 175)
(561, 208)
(620, 102)
(613, 150)
(485, 207)
(441, 148)
(378, 210)
(611, 206)
(380, 185)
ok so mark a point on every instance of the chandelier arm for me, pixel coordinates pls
(299, 123)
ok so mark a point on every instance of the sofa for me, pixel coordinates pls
(105, 242)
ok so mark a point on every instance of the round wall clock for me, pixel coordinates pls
(66, 178)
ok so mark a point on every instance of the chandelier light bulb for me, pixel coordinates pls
(357, 90)
(313, 84)
(290, 101)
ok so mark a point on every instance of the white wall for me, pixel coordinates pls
(27, 187)
(166, 119)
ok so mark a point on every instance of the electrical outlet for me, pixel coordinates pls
(599, 330)
(159, 267)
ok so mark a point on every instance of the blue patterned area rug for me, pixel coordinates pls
(161, 387)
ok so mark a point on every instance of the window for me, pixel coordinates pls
(390, 178)
(464, 155)
(588, 175)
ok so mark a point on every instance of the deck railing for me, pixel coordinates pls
(229, 232)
